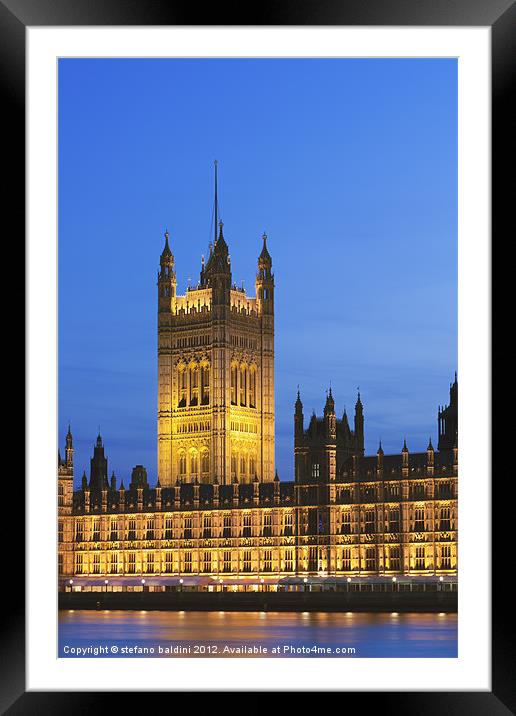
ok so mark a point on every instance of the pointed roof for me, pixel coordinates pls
(264, 260)
(405, 448)
(358, 404)
(220, 244)
(298, 403)
(330, 403)
(276, 477)
(380, 449)
(166, 250)
(430, 446)
(218, 261)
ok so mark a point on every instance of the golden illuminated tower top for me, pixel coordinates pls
(215, 372)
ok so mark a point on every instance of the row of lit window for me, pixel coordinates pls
(244, 342)
(229, 562)
(243, 385)
(443, 521)
(244, 427)
(192, 341)
(314, 522)
(207, 528)
(193, 385)
(150, 565)
(242, 464)
(195, 427)
(192, 463)
(372, 493)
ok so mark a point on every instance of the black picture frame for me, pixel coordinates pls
(15, 16)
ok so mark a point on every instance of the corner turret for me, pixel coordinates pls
(166, 278)
(359, 424)
(265, 281)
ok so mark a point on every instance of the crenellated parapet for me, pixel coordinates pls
(184, 497)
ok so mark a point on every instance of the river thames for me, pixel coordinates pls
(165, 634)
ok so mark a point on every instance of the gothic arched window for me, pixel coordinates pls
(205, 463)
(205, 384)
(252, 387)
(252, 466)
(194, 465)
(243, 385)
(182, 387)
(194, 384)
(234, 372)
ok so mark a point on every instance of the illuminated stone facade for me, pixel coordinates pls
(215, 374)
(218, 510)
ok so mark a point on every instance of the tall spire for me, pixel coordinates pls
(216, 164)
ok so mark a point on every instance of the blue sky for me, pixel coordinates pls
(350, 165)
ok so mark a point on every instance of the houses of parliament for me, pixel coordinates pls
(218, 515)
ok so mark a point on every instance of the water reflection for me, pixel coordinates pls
(370, 635)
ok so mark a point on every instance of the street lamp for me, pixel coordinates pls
(394, 585)
(440, 583)
(181, 584)
(143, 584)
(70, 583)
(106, 583)
(261, 582)
(221, 580)
(305, 580)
